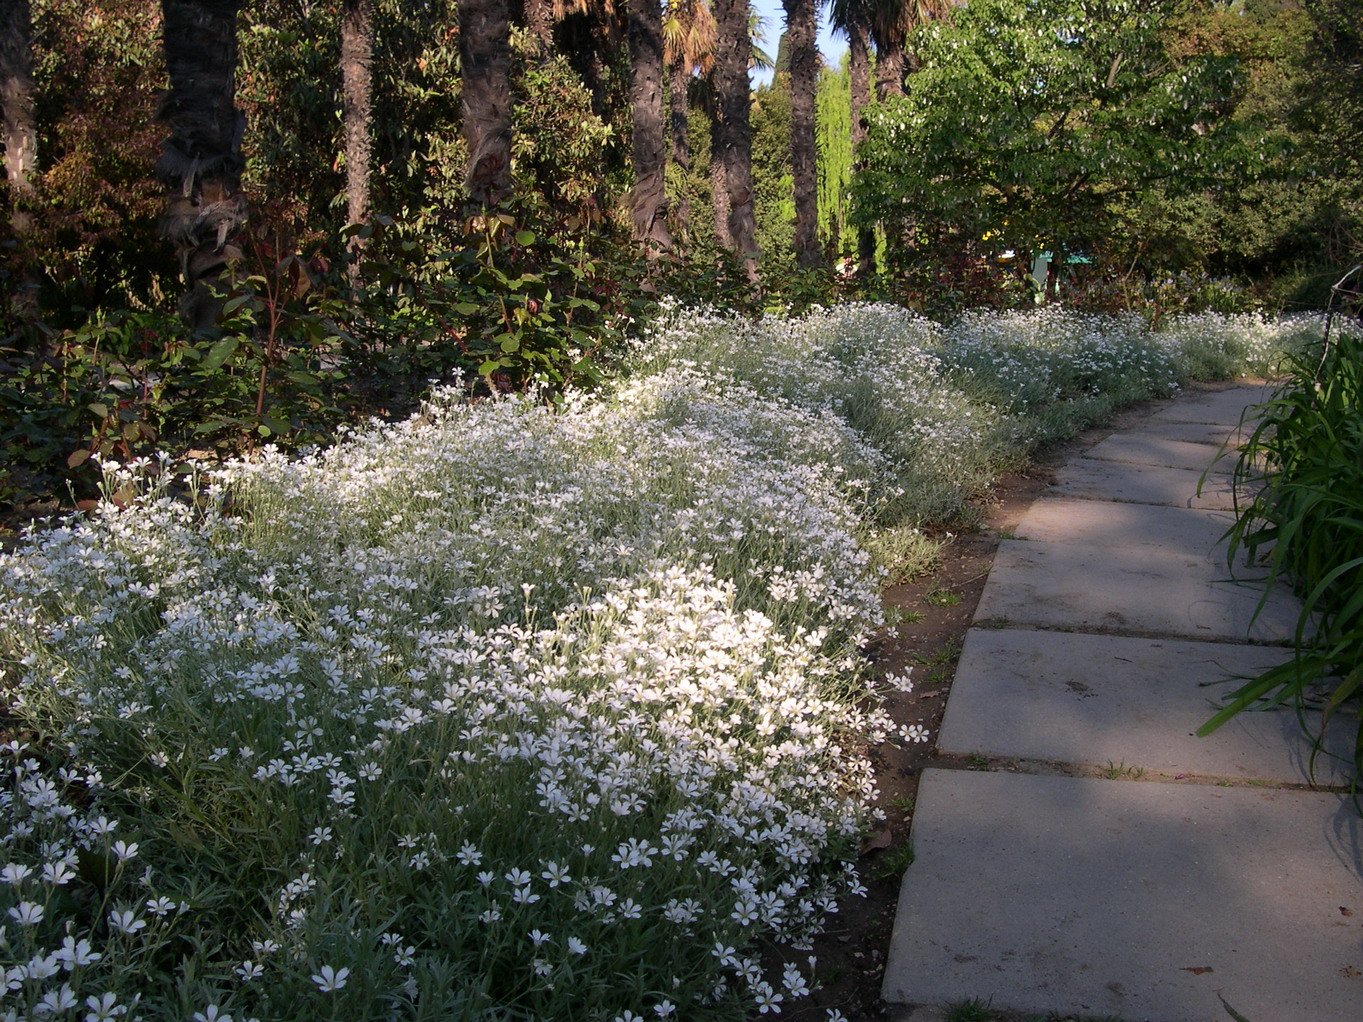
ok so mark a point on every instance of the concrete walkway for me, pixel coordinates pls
(1110, 863)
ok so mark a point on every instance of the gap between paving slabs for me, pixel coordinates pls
(996, 908)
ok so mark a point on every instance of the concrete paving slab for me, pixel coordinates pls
(1128, 591)
(1101, 700)
(1221, 407)
(1106, 523)
(1191, 432)
(1154, 902)
(1137, 448)
(1143, 484)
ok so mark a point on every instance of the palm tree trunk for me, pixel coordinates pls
(804, 82)
(648, 197)
(889, 63)
(731, 79)
(485, 60)
(538, 17)
(201, 161)
(719, 184)
(679, 115)
(21, 134)
(859, 67)
(357, 54)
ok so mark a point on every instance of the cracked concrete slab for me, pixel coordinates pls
(1129, 591)
(1128, 703)
(1153, 902)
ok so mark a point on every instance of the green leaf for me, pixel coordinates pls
(525, 237)
(219, 353)
(510, 344)
(99, 409)
(78, 458)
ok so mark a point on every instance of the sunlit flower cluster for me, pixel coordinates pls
(508, 706)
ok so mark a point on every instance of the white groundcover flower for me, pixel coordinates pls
(546, 689)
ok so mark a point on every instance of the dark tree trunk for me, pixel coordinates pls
(357, 54)
(859, 66)
(648, 197)
(538, 17)
(889, 64)
(200, 161)
(485, 60)
(859, 69)
(16, 96)
(719, 185)
(680, 115)
(732, 53)
(21, 137)
(804, 82)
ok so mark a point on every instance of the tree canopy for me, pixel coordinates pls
(1028, 120)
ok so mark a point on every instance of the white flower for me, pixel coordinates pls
(125, 850)
(576, 947)
(15, 873)
(104, 1008)
(767, 999)
(212, 1014)
(329, 979)
(249, 970)
(27, 913)
(160, 906)
(43, 966)
(900, 682)
(126, 921)
(74, 953)
(55, 1002)
(555, 875)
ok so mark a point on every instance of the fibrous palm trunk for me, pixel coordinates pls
(201, 161)
(889, 64)
(679, 117)
(538, 18)
(648, 197)
(357, 54)
(732, 54)
(804, 82)
(719, 185)
(485, 60)
(859, 67)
